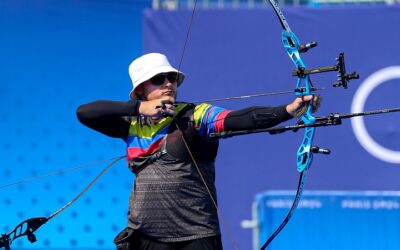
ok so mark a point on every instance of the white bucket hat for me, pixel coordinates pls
(149, 65)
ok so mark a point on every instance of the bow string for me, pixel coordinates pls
(307, 121)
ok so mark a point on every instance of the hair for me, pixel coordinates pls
(135, 95)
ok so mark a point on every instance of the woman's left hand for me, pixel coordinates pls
(300, 105)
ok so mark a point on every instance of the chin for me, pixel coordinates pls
(174, 95)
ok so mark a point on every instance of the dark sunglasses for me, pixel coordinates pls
(160, 78)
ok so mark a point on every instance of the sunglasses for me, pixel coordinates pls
(160, 78)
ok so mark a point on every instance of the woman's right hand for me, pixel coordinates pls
(154, 108)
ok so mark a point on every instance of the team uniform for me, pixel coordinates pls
(169, 206)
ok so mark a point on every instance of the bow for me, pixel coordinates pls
(308, 122)
(305, 152)
(29, 226)
(304, 87)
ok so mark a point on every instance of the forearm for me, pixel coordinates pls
(107, 116)
(255, 118)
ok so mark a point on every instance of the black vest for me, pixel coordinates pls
(169, 201)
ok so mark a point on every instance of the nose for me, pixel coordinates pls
(167, 82)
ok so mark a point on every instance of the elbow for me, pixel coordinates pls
(82, 113)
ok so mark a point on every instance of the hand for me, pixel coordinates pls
(154, 108)
(300, 105)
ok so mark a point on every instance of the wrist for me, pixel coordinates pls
(290, 110)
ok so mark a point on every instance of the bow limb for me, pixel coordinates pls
(304, 87)
(25, 228)
(291, 211)
(29, 226)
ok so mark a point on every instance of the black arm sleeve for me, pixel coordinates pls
(107, 117)
(255, 118)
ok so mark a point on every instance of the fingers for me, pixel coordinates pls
(166, 109)
(301, 104)
(305, 103)
(158, 108)
(316, 103)
(306, 98)
(302, 109)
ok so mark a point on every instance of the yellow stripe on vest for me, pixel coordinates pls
(199, 113)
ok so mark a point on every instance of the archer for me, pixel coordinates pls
(173, 204)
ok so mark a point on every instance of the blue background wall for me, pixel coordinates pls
(58, 55)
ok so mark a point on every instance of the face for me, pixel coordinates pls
(159, 86)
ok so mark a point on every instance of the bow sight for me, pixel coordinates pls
(340, 67)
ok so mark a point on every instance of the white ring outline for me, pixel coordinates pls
(358, 124)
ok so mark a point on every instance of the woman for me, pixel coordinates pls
(173, 203)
